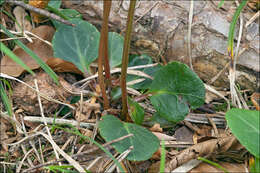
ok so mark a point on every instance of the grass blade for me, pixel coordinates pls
(162, 162)
(213, 164)
(5, 99)
(232, 29)
(221, 3)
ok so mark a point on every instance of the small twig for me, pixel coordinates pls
(95, 130)
(40, 145)
(154, 5)
(130, 70)
(94, 162)
(57, 121)
(28, 158)
(30, 141)
(75, 164)
(133, 91)
(80, 109)
(232, 71)
(134, 81)
(43, 117)
(22, 140)
(40, 11)
(189, 32)
(213, 125)
(209, 88)
(21, 163)
(120, 158)
(194, 128)
(219, 73)
(252, 19)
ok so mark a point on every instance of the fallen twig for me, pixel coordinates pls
(57, 121)
(40, 11)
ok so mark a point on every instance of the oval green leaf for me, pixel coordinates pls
(78, 44)
(245, 125)
(143, 141)
(115, 49)
(175, 87)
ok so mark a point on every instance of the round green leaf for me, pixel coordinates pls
(78, 44)
(143, 141)
(175, 87)
(115, 49)
(170, 107)
(245, 125)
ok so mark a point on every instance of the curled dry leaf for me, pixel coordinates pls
(40, 48)
(43, 50)
(201, 149)
(20, 15)
(59, 65)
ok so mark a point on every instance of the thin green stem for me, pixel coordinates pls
(124, 114)
(213, 164)
(163, 155)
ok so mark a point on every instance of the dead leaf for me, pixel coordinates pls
(43, 50)
(20, 15)
(59, 65)
(155, 167)
(231, 167)
(201, 149)
(40, 48)
(156, 128)
(183, 134)
(157, 155)
(255, 98)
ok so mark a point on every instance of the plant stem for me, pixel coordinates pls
(107, 7)
(103, 53)
(124, 114)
